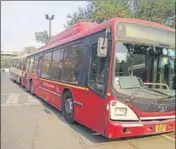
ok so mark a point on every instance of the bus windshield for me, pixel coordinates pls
(152, 65)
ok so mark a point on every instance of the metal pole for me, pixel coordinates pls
(50, 19)
(49, 28)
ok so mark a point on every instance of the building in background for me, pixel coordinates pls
(6, 57)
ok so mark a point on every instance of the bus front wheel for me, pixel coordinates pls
(68, 110)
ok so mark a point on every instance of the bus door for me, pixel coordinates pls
(94, 101)
(26, 78)
(37, 81)
(23, 73)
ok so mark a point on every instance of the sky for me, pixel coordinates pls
(21, 19)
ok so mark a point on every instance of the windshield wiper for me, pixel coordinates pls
(141, 89)
(132, 97)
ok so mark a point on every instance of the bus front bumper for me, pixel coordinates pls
(129, 129)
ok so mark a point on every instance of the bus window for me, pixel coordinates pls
(96, 79)
(39, 66)
(46, 65)
(34, 70)
(31, 64)
(20, 64)
(72, 64)
(28, 64)
(57, 64)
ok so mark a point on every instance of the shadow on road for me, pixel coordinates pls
(78, 128)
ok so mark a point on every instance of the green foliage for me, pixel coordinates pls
(100, 10)
(157, 10)
(30, 49)
(104, 10)
(42, 37)
(83, 14)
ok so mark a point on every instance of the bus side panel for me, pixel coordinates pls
(46, 88)
(15, 74)
(35, 82)
(57, 102)
(48, 91)
(92, 112)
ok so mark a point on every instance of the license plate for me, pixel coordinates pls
(160, 128)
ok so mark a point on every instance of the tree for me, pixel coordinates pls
(100, 10)
(42, 36)
(104, 10)
(83, 14)
(29, 49)
(156, 10)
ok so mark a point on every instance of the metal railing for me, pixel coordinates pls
(157, 84)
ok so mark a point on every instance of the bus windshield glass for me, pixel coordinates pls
(152, 65)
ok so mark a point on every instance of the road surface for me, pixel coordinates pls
(29, 123)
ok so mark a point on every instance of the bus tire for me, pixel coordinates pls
(31, 88)
(68, 108)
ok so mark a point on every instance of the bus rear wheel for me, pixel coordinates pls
(68, 108)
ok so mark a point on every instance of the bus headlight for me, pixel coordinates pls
(120, 111)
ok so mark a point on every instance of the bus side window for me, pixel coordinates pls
(28, 64)
(96, 78)
(34, 70)
(39, 66)
(47, 60)
(19, 66)
(31, 64)
(56, 68)
(72, 65)
(24, 66)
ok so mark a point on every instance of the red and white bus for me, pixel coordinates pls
(87, 72)
(17, 70)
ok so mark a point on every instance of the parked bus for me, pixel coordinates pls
(83, 72)
(17, 69)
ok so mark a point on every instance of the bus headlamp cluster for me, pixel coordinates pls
(120, 111)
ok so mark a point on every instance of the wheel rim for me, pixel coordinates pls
(68, 106)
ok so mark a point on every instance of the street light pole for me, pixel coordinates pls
(49, 18)
(49, 28)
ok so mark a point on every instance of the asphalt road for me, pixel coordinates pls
(29, 123)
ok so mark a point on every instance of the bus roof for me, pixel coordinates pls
(83, 29)
(75, 29)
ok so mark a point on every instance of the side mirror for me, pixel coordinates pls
(102, 47)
